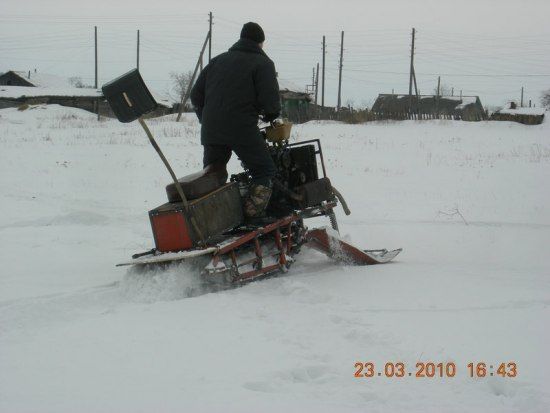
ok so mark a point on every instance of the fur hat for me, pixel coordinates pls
(252, 31)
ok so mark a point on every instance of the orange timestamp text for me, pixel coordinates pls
(431, 369)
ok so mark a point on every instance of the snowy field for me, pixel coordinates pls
(468, 202)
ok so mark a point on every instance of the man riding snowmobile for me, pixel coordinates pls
(231, 93)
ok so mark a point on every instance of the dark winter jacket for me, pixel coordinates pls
(232, 91)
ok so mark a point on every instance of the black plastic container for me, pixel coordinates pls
(129, 97)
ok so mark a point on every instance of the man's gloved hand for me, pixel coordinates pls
(269, 117)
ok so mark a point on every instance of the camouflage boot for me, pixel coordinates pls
(256, 201)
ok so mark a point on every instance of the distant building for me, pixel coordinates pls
(33, 79)
(514, 113)
(392, 106)
(295, 102)
(12, 78)
(32, 88)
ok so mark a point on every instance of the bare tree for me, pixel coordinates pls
(545, 98)
(76, 81)
(180, 83)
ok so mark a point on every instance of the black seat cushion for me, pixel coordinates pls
(198, 184)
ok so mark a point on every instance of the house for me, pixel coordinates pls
(295, 103)
(33, 79)
(13, 78)
(392, 106)
(513, 113)
(32, 88)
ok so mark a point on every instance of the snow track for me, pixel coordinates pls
(466, 201)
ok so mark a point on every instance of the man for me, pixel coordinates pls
(232, 91)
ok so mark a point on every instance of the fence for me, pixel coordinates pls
(350, 115)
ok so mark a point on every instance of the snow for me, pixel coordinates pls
(468, 202)
(44, 80)
(24, 91)
(523, 111)
(164, 99)
(29, 91)
(466, 100)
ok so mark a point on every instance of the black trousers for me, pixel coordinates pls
(255, 157)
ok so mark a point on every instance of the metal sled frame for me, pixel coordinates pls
(286, 236)
(254, 252)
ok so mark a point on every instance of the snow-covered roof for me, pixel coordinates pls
(522, 111)
(466, 100)
(15, 92)
(39, 79)
(25, 91)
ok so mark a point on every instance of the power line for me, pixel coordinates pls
(456, 74)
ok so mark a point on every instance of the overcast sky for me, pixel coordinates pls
(486, 47)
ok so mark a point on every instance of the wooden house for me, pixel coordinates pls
(392, 106)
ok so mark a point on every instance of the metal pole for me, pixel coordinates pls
(323, 84)
(137, 60)
(174, 178)
(316, 83)
(96, 75)
(340, 72)
(95, 43)
(210, 37)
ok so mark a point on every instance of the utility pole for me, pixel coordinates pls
(438, 94)
(185, 96)
(209, 36)
(137, 60)
(411, 71)
(521, 104)
(95, 77)
(323, 85)
(340, 72)
(316, 83)
(95, 43)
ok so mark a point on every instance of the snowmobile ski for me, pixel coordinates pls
(328, 242)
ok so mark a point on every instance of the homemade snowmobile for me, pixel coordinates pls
(204, 217)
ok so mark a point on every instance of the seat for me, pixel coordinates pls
(199, 184)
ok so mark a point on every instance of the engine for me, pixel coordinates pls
(297, 185)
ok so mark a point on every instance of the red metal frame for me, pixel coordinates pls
(322, 241)
(279, 229)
